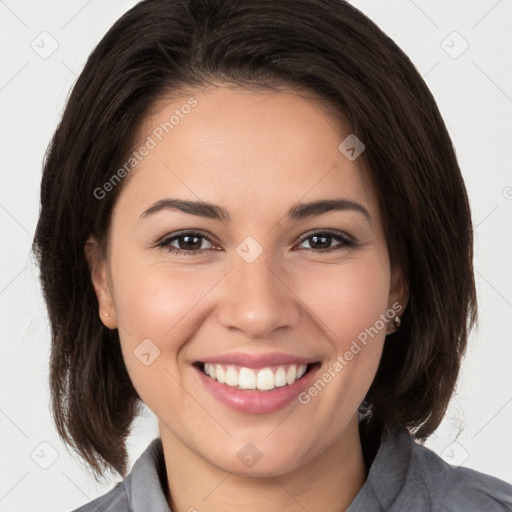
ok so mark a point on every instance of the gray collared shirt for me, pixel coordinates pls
(404, 476)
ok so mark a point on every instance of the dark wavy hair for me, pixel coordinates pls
(326, 46)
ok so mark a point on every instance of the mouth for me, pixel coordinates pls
(256, 383)
(263, 379)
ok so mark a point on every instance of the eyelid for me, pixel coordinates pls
(165, 241)
(346, 241)
(333, 232)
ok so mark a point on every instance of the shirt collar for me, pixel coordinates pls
(146, 486)
(387, 474)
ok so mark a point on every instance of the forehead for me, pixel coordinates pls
(252, 150)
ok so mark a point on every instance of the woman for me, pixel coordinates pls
(253, 221)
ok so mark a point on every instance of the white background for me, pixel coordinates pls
(474, 94)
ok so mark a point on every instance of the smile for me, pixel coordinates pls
(262, 379)
(255, 383)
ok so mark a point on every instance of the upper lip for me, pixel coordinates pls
(257, 360)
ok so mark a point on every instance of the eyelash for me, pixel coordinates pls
(347, 243)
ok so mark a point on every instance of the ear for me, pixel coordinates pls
(98, 266)
(398, 296)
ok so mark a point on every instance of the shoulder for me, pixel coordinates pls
(115, 500)
(143, 489)
(453, 489)
(407, 476)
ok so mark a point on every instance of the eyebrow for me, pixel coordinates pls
(297, 212)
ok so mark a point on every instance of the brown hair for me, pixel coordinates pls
(329, 47)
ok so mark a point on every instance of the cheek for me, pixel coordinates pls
(157, 311)
(153, 300)
(166, 304)
(348, 300)
(349, 306)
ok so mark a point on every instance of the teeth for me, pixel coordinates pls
(264, 379)
(246, 379)
(220, 374)
(231, 376)
(280, 378)
(291, 374)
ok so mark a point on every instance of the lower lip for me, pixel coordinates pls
(254, 401)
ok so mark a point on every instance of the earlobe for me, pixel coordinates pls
(98, 266)
(398, 299)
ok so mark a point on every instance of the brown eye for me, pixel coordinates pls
(186, 243)
(321, 241)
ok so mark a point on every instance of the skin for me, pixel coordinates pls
(256, 154)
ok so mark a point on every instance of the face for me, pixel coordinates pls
(285, 306)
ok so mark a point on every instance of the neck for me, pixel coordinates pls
(329, 482)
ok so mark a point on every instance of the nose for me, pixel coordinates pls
(256, 299)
